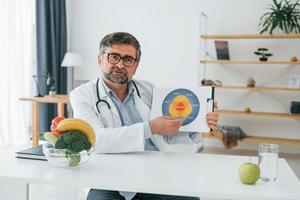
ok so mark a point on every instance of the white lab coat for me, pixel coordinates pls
(111, 136)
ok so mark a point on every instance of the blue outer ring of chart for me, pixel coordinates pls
(192, 98)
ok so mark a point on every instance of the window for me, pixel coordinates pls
(17, 59)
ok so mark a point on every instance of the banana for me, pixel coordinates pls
(77, 124)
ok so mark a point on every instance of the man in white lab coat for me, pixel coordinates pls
(118, 108)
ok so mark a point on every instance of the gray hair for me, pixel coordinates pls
(120, 38)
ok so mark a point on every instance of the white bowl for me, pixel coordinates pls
(60, 157)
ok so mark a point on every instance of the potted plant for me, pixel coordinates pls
(263, 53)
(283, 14)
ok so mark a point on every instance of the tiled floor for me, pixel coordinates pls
(46, 192)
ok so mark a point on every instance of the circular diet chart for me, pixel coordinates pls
(181, 103)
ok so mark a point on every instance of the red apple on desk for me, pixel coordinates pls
(249, 173)
(54, 124)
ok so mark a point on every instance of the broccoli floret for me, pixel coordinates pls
(88, 145)
(73, 140)
(60, 143)
(77, 146)
(74, 135)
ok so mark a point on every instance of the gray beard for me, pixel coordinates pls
(117, 80)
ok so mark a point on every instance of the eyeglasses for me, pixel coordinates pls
(115, 58)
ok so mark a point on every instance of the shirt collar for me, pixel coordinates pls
(110, 93)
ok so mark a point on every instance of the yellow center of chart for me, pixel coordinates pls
(180, 107)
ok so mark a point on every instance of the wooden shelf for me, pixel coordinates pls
(249, 62)
(258, 114)
(259, 88)
(255, 139)
(258, 139)
(251, 36)
(59, 98)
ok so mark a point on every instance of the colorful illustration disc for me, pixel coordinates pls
(181, 103)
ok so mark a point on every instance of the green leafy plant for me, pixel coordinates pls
(263, 53)
(284, 15)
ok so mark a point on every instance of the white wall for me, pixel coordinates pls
(169, 33)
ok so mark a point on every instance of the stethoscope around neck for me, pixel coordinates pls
(99, 100)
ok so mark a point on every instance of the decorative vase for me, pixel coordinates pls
(264, 59)
(52, 93)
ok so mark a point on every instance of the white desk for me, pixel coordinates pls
(204, 175)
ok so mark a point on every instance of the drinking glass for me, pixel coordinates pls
(268, 161)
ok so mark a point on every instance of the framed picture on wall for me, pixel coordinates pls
(294, 81)
(222, 50)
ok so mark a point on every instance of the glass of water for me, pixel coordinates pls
(268, 161)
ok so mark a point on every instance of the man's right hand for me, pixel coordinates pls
(165, 125)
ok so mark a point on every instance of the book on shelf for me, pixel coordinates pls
(294, 81)
(35, 153)
(222, 50)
